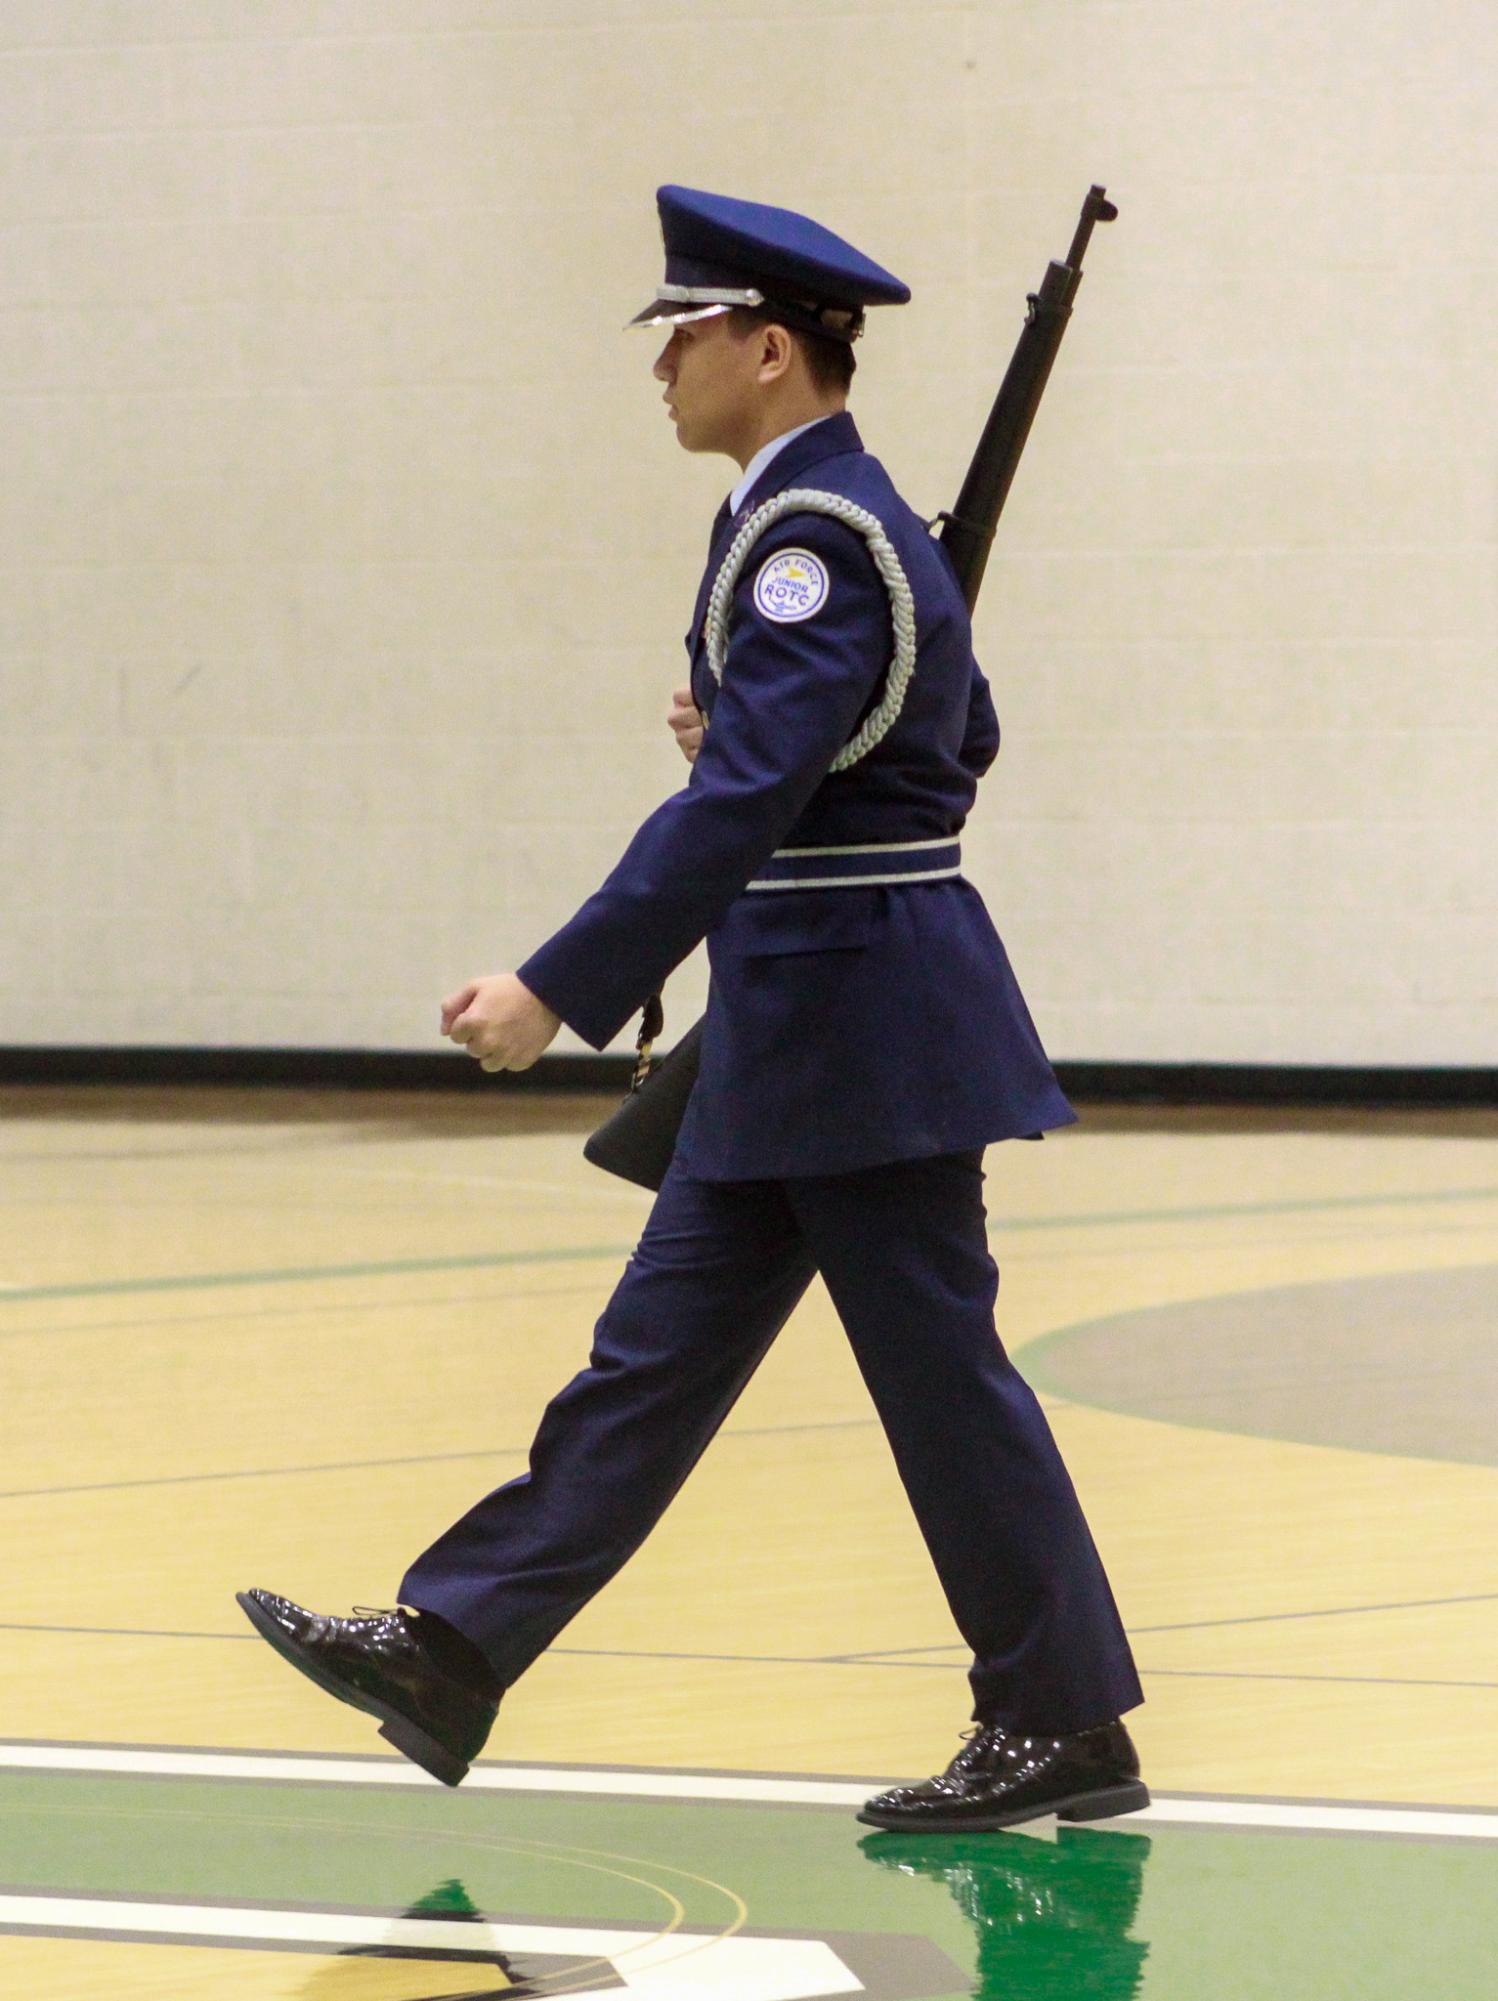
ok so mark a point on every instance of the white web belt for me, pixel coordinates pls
(865, 866)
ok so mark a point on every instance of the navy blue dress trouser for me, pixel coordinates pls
(903, 1250)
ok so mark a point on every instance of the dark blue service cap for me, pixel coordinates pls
(722, 253)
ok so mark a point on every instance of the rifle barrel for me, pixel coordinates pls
(967, 532)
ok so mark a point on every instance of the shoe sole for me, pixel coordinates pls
(395, 1727)
(1101, 1804)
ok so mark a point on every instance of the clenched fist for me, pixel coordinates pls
(685, 719)
(499, 1021)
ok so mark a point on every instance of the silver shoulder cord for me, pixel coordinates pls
(879, 721)
(811, 500)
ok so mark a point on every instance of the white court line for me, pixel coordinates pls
(399, 1772)
(670, 1966)
(1446, 1823)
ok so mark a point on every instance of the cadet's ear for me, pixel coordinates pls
(776, 353)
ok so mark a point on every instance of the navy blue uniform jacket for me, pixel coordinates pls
(845, 1027)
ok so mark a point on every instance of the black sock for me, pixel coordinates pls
(455, 1654)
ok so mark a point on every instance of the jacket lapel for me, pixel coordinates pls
(716, 549)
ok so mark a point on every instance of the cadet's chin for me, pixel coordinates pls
(688, 436)
(693, 441)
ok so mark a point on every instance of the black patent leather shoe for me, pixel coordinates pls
(380, 1664)
(998, 1780)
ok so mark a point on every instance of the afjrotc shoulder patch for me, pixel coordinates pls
(791, 585)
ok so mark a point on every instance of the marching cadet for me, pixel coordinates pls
(865, 1039)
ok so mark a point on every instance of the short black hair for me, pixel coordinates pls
(829, 362)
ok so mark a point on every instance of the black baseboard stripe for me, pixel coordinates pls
(306, 1069)
(409, 1070)
(1277, 1084)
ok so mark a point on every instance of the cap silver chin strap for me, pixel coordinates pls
(812, 500)
(711, 295)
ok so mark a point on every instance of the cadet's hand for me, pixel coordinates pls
(499, 1021)
(686, 719)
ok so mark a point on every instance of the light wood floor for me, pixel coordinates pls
(282, 1338)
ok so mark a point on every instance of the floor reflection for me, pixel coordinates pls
(400, 1971)
(1053, 1918)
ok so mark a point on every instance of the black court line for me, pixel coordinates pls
(413, 1459)
(780, 1660)
(590, 1653)
(1326, 1612)
(1359, 1680)
(319, 1310)
(1204, 1625)
(261, 1473)
(126, 1632)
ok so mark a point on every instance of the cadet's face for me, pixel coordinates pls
(712, 385)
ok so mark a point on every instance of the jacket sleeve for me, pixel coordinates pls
(980, 740)
(790, 699)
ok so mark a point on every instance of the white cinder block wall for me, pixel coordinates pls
(346, 547)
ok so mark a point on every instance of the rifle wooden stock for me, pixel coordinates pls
(637, 1141)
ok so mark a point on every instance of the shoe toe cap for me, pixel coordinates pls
(912, 1799)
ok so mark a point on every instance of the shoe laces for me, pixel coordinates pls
(976, 1743)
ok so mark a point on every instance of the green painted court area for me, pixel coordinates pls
(549, 1892)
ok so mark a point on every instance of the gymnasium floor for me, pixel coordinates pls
(281, 1338)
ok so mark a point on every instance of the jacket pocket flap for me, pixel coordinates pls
(766, 923)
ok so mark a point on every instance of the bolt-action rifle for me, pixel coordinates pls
(637, 1141)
